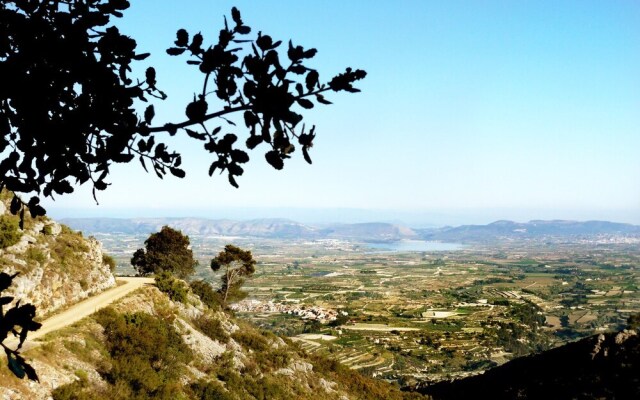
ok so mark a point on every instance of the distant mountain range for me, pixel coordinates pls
(532, 230)
(369, 232)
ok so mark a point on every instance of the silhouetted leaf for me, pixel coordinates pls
(306, 155)
(239, 156)
(196, 135)
(6, 300)
(320, 98)
(16, 204)
(182, 38)
(150, 75)
(140, 57)
(149, 113)
(273, 158)
(177, 172)
(175, 51)
(305, 103)
(253, 141)
(243, 30)
(233, 182)
(15, 366)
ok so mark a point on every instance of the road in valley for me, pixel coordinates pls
(82, 309)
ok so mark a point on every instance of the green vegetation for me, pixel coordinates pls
(110, 261)
(10, 233)
(237, 264)
(167, 250)
(206, 293)
(176, 289)
(211, 327)
(146, 355)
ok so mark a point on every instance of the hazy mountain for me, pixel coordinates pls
(372, 232)
(509, 230)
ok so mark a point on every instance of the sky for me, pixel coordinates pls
(471, 111)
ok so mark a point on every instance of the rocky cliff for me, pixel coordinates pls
(57, 266)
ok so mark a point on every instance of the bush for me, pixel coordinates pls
(251, 340)
(9, 231)
(110, 261)
(206, 293)
(206, 390)
(146, 353)
(212, 328)
(176, 290)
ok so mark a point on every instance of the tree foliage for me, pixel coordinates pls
(69, 105)
(167, 250)
(19, 321)
(236, 264)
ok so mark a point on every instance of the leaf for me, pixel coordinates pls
(309, 53)
(143, 164)
(141, 57)
(312, 79)
(239, 156)
(233, 182)
(273, 158)
(175, 51)
(250, 119)
(182, 38)
(101, 185)
(15, 366)
(305, 103)
(149, 113)
(150, 75)
(235, 15)
(253, 141)
(177, 172)
(320, 99)
(195, 135)
(5, 300)
(243, 30)
(16, 203)
(306, 155)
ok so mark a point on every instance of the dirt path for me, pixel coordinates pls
(82, 309)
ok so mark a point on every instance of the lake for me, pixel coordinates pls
(414, 245)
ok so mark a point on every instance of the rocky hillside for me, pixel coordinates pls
(147, 346)
(57, 266)
(604, 366)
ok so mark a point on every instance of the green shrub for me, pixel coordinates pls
(251, 340)
(9, 231)
(35, 254)
(212, 328)
(47, 230)
(206, 293)
(176, 290)
(274, 359)
(146, 353)
(110, 261)
(206, 390)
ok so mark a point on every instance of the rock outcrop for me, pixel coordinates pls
(57, 266)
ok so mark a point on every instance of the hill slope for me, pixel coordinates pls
(604, 366)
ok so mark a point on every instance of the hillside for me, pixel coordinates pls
(56, 265)
(604, 366)
(148, 346)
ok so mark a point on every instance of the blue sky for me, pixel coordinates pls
(472, 111)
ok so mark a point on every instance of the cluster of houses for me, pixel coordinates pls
(304, 312)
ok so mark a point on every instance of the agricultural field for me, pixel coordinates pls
(426, 315)
(435, 315)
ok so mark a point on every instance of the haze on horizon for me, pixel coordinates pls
(471, 112)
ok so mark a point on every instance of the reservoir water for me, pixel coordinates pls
(414, 245)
